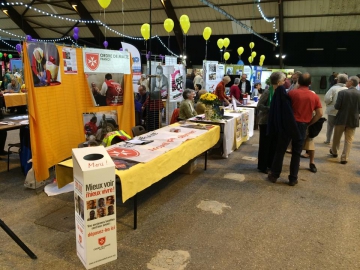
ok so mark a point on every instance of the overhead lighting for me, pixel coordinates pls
(74, 6)
(6, 12)
(282, 56)
(341, 49)
(315, 49)
(162, 2)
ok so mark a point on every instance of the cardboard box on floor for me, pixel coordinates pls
(95, 207)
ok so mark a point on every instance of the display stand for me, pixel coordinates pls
(17, 240)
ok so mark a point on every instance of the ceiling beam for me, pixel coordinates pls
(27, 8)
(54, 4)
(170, 12)
(85, 15)
(20, 22)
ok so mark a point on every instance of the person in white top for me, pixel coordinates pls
(144, 81)
(330, 100)
(198, 79)
(358, 87)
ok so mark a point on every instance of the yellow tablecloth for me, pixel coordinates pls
(15, 99)
(143, 175)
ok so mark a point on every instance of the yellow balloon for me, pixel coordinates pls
(240, 50)
(145, 31)
(260, 64)
(226, 56)
(250, 59)
(185, 23)
(104, 3)
(252, 45)
(185, 27)
(220, 43)
(168, 25)
(207, 33)
(226, 42)
(253, 54)
(262, 57)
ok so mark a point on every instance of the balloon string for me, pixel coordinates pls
(206, 50)
(169, 40)
(104, 23)
(122, 10)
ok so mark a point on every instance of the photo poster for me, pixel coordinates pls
(16, 65)
(255, 76)
(136, 66)
(177, 83)
(104, 70)
(99, 124)
(106, 92)
(210, 70)
(44, 60)
(161, 80)
(70, 61)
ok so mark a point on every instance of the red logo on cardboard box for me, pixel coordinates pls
(80, 239)
(102, 240)
(92, 60)
(123, 152)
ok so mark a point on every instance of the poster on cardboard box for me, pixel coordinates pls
(95, 206)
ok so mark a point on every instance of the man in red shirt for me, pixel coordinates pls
(235, 90)
(220, 90)
(304, 102)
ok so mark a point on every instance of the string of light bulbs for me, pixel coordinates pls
(78, 21)
(272, 20)
(11, 46)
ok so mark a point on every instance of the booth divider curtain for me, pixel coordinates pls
(56, 114)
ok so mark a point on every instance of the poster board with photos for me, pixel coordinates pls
(55, 112)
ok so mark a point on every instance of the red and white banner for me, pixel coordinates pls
(163, 140)
(106, 61)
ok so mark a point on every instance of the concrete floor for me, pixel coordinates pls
(228, 217)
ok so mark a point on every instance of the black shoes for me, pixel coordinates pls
(293, 182)
(272, 178)
(343, 162)
(331, 153)
(313, 168)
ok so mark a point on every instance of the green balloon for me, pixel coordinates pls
(10, 56)
(1, 55)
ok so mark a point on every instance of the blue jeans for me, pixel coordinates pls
(282, 144)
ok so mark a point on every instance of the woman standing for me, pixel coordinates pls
(187, 105)
(282, 126)
(266, 143)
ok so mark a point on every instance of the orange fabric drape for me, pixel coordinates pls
(55, 114)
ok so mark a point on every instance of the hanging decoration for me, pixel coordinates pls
(272, 20)
(253, 54)
(76, 33)
(18, 48)
(1, 55)
(145, 31)
(28, 38)
(10, 56)
(106, 44)
(226, 56)
(220, 43)
(104, 3)
(185, 26)
(168, 25)
(206, 35)
(240, 50)
(252, 45)
(226, 42)
(262, 58)
(250, 59)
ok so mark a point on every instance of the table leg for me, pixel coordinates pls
(206, 156)
(135, 212)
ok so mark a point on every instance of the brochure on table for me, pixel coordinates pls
(213, 74)
(95, 206)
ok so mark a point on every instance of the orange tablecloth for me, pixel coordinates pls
(15, 99)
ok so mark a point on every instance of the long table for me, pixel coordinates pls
(143, 175)
(15, 99)
(232, 129)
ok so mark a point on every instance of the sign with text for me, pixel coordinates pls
(106, 61)
(95, 207)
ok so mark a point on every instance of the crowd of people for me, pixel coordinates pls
(293, 116)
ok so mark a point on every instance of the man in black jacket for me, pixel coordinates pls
(245, 85)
